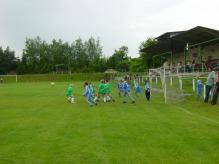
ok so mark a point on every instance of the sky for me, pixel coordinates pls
(114, 22)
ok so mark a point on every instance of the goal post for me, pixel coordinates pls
(170, 84)
(8, 78)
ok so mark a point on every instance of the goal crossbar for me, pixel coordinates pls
(16, 79)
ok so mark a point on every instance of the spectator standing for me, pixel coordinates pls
(216, 91)
(210, 83)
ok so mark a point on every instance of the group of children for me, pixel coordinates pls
(104, 92)
(124, 90)
(89, 93)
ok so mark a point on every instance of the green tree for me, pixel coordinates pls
(136, 65)
(8, 61)
(120, 60)
(146, 58)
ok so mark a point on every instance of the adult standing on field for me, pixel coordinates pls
(215, 91)
(210, 83)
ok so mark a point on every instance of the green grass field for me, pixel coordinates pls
(37, 125)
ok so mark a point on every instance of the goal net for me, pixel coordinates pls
(8, 78)
(169, 84)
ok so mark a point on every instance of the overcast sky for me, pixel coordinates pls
(115, 22)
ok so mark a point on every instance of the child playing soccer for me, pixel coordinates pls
(108, 96)
(87, 94)
(69, 95)
(126, 91)
(92, 90)
(198, 88)
(120, 87)
(137, 88)
(101, 89)
(147, 90)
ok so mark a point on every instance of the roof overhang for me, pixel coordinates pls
(177, 43)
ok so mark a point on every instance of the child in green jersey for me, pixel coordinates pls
(108, 95)
(69, 94)
(101, 89)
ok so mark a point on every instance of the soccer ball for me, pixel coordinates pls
(72, 100)
(52, 84)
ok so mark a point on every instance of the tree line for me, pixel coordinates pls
(39, 57)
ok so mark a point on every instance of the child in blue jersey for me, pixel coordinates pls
(120, 87)
(93, 94)
(87, 93)
(198, 88)
(147, 90)
(137, 88)
(126, 91)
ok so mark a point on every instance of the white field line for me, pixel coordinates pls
(197, 115)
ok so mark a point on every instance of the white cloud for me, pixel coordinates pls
(116, 22)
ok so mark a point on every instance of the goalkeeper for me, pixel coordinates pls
(147, 90)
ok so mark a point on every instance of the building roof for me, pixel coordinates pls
(169, 35)
(177, 41)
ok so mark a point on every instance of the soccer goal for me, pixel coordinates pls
(8, 78)
(170, 85)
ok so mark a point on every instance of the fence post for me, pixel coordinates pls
(156, 80)
(193, 84)
(171, 81)
(204, 91)
(181, 85)
(151, 79)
